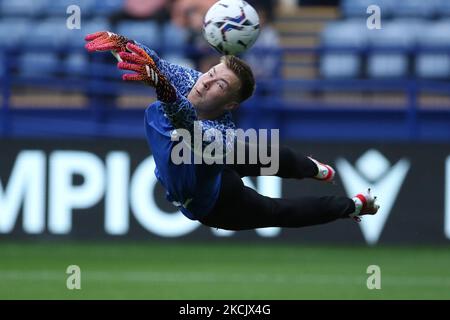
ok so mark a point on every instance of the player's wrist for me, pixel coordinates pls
(165, 92)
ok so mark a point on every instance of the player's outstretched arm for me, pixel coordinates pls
(179, 110)
(177, 107)
(181, 77)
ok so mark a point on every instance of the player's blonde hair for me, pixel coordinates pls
(244, 73)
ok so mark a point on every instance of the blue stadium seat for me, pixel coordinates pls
(394, 8)
(107, 7)
(402, 32)
(38, 64)
(24, 8)
(335, 65)
(174, 38)
(347, 35)
(49, 33)
(13, 31)
(434, 64)
(76, 64)
(358, 8)
(387, 65)
(399, 34)
(443, 8)
(415, 8)
(59, 7)
(146, 32)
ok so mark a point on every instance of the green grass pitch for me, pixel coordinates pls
(223, 270)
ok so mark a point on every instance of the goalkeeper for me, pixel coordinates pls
(214, 194)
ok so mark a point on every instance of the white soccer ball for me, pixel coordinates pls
(231, 26)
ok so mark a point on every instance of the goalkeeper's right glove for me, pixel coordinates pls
(145, 69)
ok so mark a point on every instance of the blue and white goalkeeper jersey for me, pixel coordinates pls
(194, 187)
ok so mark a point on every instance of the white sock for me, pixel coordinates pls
(322, 171)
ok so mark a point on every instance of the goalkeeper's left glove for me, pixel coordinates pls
(139, 61)
(107, 41)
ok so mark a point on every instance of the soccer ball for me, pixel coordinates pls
(231, 26)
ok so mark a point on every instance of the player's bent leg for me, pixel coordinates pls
(291, 164)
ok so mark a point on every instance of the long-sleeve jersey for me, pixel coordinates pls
(193, 187)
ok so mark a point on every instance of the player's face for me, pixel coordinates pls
(215, 91)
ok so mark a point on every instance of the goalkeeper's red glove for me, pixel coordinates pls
(139, 61)
(106, 41)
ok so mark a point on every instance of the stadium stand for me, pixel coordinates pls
(107, 7)
(76, 64)
(174, 38)
(400, 34)
(414, 8)
(13, 31)
(24, 8)
(358, 8)
(437, 64)
(59, 8)
(50, 33)
(350, 37)
(330, 60)
(401, 48)
(146, 32)
(38, 64)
